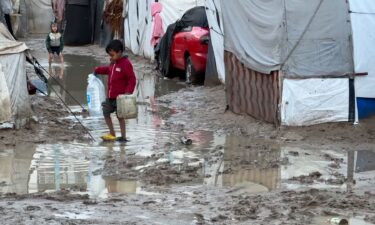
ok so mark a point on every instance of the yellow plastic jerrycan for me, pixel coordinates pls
(127, 106)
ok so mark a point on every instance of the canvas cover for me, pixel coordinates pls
(313, 101)
(14, 97)
(302, 38)
(363, 24)
(40, 16)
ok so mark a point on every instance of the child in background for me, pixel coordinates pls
(55, 44)
(121, 80)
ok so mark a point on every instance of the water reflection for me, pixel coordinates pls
(14, 170)
(244, 165)
(244, 168)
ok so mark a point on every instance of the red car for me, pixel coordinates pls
(185, 46)
(189, 52)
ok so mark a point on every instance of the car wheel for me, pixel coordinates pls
(190, 72)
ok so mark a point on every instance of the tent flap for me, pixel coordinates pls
(314, 101)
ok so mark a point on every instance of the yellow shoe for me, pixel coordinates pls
(108, 137)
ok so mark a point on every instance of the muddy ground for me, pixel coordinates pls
(233, 173)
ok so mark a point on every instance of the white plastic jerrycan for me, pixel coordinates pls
(127, 106)
(95, 95)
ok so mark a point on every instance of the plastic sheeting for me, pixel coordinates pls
(253, 32)
(325, 47)
(13, 60)
(40, 16)
(138, 27)
(7, 44)
(303, 38)
(314, 101)
(363, 24)
(215, 20)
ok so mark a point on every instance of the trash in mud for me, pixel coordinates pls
(186, 141)
(338, 221)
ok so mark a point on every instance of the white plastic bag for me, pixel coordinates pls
(95, 95)
(127, 106)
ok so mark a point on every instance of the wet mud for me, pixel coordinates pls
(236, 171)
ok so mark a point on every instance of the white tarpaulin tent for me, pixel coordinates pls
(40, 16)
(363, 25)
(14, 98)
(299, 52)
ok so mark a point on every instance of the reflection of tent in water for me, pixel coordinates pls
(246, 176)
(14, 98)
(14, 169)
(265, 175)
(365, 161)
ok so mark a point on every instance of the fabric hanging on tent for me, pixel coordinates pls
(157, 31)
(313, 101)
(363, 22)
(58, 7)
(173, 10)
(112, 15)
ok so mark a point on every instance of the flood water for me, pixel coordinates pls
(77, 167)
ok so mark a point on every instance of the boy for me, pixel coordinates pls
(121, 80)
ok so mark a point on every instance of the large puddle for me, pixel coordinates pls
(237, 162)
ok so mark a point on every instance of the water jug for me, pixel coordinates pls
(95, 95)
(127, 106)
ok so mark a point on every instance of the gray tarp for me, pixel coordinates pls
(303, 38)
(40, 16)
(14, 98)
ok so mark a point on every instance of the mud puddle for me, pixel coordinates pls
(155, 155)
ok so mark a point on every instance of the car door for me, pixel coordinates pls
(179, 48)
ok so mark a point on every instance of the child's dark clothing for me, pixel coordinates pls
(55, 43)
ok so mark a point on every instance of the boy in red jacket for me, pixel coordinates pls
(121, 80)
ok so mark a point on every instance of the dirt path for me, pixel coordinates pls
(237, 171)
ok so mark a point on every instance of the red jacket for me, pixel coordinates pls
(121, 77)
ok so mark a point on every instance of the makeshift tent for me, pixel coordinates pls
(14, 98)
(289, 61)
(39, 15)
